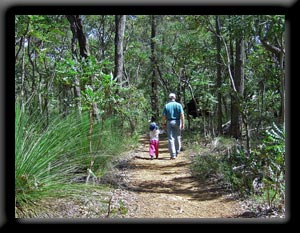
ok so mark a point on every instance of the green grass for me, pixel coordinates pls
(49, 158)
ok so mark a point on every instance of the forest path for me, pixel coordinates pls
(165, 188)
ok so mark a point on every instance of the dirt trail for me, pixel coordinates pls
(165, 188)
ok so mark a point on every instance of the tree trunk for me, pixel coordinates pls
(33, 83)
(120, 21)
(282, 87)
(64, 100)
(23, 89)
(74, 28)
(154, 82)
(219, 77)
(77, 30)
(239, 85)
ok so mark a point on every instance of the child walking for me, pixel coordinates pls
(154, 140)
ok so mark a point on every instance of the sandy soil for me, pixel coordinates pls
(165, 188)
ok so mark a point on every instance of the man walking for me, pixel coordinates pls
(173, 120)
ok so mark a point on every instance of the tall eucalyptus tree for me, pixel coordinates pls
(219, 76)
(154, 81)
(120, 21)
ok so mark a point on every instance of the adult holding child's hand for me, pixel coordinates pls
(173, 121)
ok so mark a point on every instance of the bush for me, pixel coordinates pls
(205, 165)
(51, 158)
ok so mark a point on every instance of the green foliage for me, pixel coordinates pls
(237, 167)
(50, 158)
(205, 165)
(273, 156)
(260, 173)
(182, 41)
(45, 157)
(133, 108)
(44, 64)
(89, 96)
(267, 163)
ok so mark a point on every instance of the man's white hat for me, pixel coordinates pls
(172, 96)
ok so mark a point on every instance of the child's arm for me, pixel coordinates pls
(157, 132)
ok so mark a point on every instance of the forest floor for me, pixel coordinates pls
(166, 189)
(158, 190)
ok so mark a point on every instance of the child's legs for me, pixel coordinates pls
(156, 147)
(152, 148)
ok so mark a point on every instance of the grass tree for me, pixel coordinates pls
(47, 158)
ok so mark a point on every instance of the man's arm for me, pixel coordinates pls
(182, 120)
(164, 121)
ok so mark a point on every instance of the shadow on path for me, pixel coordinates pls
(166, 176)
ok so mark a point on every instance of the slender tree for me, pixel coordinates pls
(120, 21)
(219, 76)
(76, 26)
(239, 85)
(154, 82)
